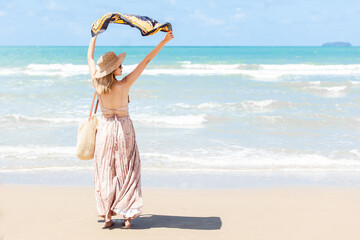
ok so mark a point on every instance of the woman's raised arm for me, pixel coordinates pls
(131, 77)
(90, 57)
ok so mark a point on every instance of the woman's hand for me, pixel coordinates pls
(169, 35)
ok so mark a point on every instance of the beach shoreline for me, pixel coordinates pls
(178, 179)
(303, 212)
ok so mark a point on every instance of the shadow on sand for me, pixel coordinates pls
(148, 221)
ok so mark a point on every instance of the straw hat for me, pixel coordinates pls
(108, 63)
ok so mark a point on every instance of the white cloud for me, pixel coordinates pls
(10, 31)
(76, 28)
(286, 21)
(30, 14)
(207, 20)
(173, 2)
(2, 13)
(53, 6)
(316, 18)
(45, 18)
(230, 27)
(212, 4)
(239, 15)
(169, 19)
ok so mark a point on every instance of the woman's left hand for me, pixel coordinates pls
(169, 35)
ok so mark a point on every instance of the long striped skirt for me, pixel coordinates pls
(117, 169)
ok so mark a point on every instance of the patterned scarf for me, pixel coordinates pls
(146, 25)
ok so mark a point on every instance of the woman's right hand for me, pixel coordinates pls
(169, 35)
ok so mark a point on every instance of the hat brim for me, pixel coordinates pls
(112, 66)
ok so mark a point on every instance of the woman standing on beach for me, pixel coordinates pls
(117, 176)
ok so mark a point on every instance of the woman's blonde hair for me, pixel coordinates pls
(103, 84)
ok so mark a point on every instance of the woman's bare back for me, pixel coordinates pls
(116, 101)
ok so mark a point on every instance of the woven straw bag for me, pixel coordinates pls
(85, 146)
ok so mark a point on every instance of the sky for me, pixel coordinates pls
(195, 22)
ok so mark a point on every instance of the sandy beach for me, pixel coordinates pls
(54, 212)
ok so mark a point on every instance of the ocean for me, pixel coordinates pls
(218, 112)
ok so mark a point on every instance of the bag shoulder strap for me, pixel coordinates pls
(92, 105)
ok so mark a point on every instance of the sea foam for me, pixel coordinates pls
(266, 105)
(256, 71)
(174, 121)
(222, 158)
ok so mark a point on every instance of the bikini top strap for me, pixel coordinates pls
(104, 109)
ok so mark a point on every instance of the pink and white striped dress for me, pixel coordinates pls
(117, 167)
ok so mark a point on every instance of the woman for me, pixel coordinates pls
(116, 161)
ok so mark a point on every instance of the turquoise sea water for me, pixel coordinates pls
(210, 110)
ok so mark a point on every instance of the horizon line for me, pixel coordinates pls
(180, 46)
